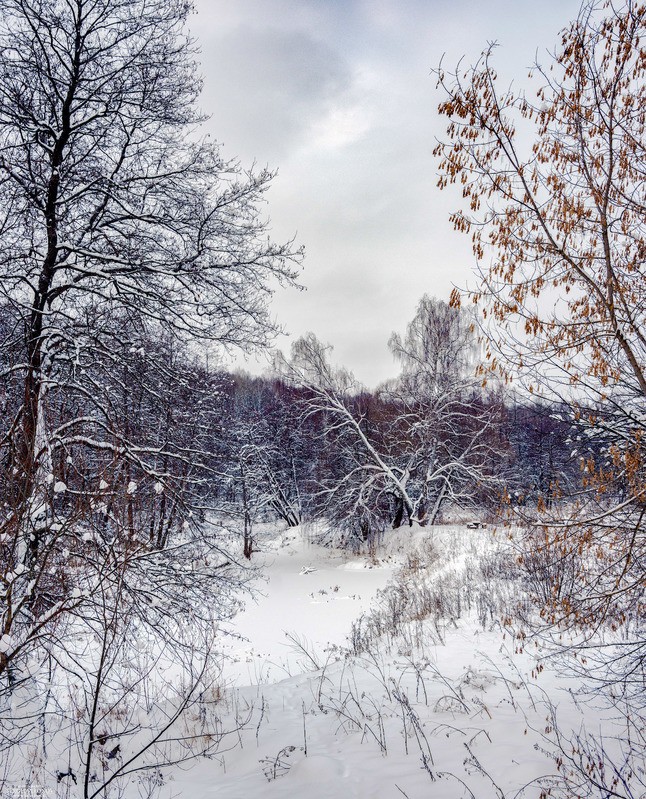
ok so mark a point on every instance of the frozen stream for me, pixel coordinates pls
(311, 594)
(468, 716)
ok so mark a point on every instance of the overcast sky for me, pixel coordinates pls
(338, 96)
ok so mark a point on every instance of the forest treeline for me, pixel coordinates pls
(146, 440)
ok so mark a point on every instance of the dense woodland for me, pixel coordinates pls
(147, 440)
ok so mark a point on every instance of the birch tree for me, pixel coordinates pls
(452, 424)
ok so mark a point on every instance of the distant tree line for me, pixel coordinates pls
(307, 442)
(147, 439)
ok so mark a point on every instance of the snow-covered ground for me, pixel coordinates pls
(417, 700)
(312, 595)
(378, 676)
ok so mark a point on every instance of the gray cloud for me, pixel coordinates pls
(338, 95)
(266, 88)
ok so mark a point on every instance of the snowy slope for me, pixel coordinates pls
(311, 593)
(444, 707)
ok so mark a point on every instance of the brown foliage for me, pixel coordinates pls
(563, 222)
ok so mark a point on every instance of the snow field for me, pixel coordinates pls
(366, 676)
(414, 700)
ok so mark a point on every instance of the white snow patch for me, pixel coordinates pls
(6, 644)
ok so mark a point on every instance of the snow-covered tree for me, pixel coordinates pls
(125, 236)
(424, 439)
(451, 424)
(110, 200)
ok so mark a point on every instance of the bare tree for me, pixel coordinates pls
(354, 480)
(107, 199)
(452, 424)
(126, 681)
(564, 227)
(427, 438)
(124, 236)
